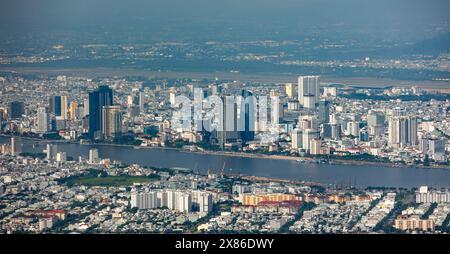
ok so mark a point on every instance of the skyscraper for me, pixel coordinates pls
(141, 101)
(93, 156)
(103, 96)
(16, 146)
(55, 105)
(42, 120)
(308, 136)
(112, 122)
(324, 111)
(16, 109)
(309, 86)
(297, 138)
(403, 131)
(51, 151)
(64, 111)
(73, 110)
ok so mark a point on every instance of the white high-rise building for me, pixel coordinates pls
(403, 131)
(51, 151)
(16, 146)
(308, 86)
(353, 128)
(93, 156)
(297, 138)
(184, 202)
(42, 120)
(141, 101)
(308, 136)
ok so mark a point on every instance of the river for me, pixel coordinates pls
(360, 176)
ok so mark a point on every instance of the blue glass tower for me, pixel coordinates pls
(103, 96)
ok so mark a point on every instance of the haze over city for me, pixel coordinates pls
(285, 117)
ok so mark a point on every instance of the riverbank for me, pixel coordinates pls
(304, 160)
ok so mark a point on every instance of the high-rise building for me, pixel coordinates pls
(112, 122)
(297, 138)
(238, 121)
(141, 101)
(324, 111)
(16, 146)
(99, 98)
(308, 136)
(42, 120)
(375, 122)
(290, 90)
(353, 128)
(93, 156)
(316, 144)
(55, 105)
(51, 151)
(403, 131)
(73, 108)
(309, 86)
(64, 110)
(16, 109)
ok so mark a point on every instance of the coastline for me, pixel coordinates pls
(244, 155)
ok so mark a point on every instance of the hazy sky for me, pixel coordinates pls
(210, 19)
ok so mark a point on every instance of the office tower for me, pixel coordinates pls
(308, 136)
(336, 131)
(86, 106)
(99, 98)
(73, 108)
(16, 109)
(297, 138)
(64, 111)
(290, 92)
(324, 111)
(141, 101)
(309, 86)
(326, 131)
(51, 151)
(402, 131)
(16, 146)
(353, 129)
(42, 120)
(55, 105)
(112, 122)
(315, 146)
(375, 122)
(93, 156)
(238, 123)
